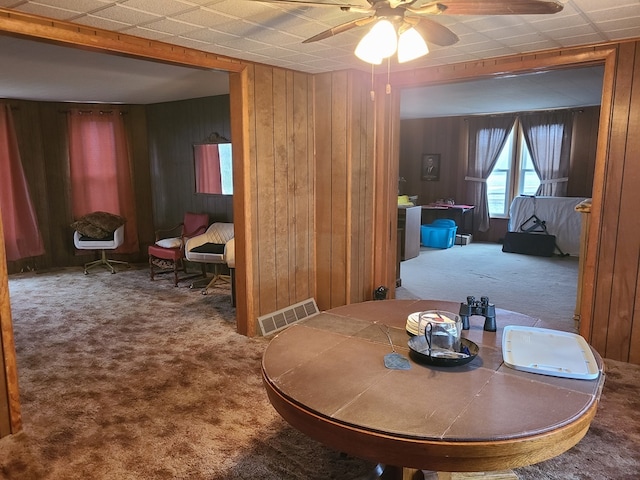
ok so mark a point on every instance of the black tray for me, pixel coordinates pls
(419, 351)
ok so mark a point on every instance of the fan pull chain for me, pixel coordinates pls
(372, 92)
(388, 89)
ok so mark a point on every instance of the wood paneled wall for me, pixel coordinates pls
(586, 122)
(610, 306)
(441, 136)
(275, 233)
(611, 288)
(308, 189)
(173, 128)
(344, 120)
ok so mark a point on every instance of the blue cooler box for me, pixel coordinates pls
(439, 234)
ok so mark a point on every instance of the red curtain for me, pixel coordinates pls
(207, 163)
(21, 234)
(100, 169)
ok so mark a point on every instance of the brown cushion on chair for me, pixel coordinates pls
(100, 225)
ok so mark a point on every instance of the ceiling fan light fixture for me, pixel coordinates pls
(411, 45)
(381, 42)
(367, 54)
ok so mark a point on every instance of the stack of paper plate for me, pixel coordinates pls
(413, 320)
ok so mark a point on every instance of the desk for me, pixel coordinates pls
(326, 377)
(462, 214)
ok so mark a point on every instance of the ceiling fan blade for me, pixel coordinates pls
(432, 31)
(305, 3)
(339, 29)
(491, 7)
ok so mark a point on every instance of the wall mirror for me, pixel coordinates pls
(213, 166)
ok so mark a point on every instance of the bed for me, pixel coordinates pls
(559, 214)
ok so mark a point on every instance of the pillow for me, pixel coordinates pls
(100, 225)
(170, 242)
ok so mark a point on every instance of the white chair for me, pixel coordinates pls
(86, 243)
(216, 246)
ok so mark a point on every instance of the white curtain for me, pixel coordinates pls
(548, 136)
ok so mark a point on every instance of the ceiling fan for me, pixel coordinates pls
(405, 14)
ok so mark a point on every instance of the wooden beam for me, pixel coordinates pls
(99, 40)
(495, 67)
(10, 416)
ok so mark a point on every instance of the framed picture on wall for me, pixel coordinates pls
(430, 167)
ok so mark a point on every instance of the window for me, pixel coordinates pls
(100, 171)
(512, 175)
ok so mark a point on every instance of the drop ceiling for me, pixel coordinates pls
(272, 34)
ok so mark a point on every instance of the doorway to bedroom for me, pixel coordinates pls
(480, 268)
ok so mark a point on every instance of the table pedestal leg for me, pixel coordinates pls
(398, 473)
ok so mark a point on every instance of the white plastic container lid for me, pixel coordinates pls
(548, 352)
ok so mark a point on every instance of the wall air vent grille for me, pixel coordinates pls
(281, 319)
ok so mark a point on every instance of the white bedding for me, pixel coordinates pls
(559, 215)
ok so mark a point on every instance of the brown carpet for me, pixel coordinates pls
(124, 378)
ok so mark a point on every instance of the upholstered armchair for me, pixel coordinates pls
(216, 246)
(167, 253)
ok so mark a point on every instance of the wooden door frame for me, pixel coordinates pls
(71, 35)
(605, 54)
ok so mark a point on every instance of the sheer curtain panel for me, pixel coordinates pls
(487, 136)
(548, 136)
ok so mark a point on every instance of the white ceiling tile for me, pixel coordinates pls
(145, 33)
(159, 7)
(624, 34)
(209, 36)
(580, 40)
(534, 45)
(618, 14)
(101, 22)
(77, 6)
(240, 8)
(122, 14)
(205, 17)
(272, 34)
(171, 27)
(187, 42)
(555, 22)
(576, 31)
(47, 11)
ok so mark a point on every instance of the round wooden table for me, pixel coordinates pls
(327, 378)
